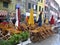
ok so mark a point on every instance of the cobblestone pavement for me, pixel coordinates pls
(53, 40)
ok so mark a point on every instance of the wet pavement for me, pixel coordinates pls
(53, 40)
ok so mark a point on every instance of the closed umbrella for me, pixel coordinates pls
(26, 19)
(19, 13)
(40, 19)
(46, 21)
(31, 18)
(52, 21)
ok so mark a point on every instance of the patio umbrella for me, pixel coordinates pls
(52, 21)
(18, 13)
(46, 21)
(26, 19)
(31, 18)
(40, 19)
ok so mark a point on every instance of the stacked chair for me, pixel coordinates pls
(41, 33)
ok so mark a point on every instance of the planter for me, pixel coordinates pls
(25, 42)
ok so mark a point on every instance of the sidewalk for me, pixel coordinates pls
(53, 40)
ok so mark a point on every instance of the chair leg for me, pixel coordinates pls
(43, 35)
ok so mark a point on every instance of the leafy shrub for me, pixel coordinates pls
(15, 39)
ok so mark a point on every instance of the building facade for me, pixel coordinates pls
(4, 9)
(9, 6)
(4, 5)
(40, 8)
(51, 8)
(47, 9)
(59, 13)
(54, 9)
(31, 4)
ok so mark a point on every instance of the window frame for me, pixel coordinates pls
(5, 4)
(42, 10)
(41, 1)
(36, 7)
(39, 8)
(29, 5)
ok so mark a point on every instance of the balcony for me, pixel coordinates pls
(6, 1)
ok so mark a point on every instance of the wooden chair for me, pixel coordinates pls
(42, 34)
(34, 36)
(48, 29)
(44, 30)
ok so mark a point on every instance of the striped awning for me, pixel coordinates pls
(3, 13)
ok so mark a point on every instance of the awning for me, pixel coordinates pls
(28, 14)
(3, 17)
(3, 13)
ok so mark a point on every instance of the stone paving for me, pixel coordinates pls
(53, 40)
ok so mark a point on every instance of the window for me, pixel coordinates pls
(29, 5)
(18, 0)
(15, 7)
(39, 8)
(46, 8)
(36, 7)
(5, 4)
(45, 15)
(41, 1)
(33, 6)
(42, 9)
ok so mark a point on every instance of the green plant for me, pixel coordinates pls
(4, 42)
(14, 39)
(24, 35)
